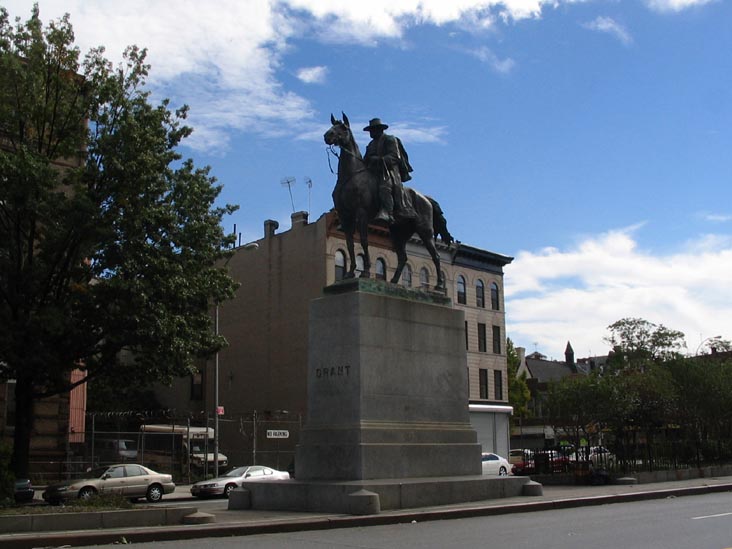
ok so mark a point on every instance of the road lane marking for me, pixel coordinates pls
(711, 516)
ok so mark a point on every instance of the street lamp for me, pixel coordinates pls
(217, 408)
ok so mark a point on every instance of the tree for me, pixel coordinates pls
(519, 394)
(635, 341)
(110, 243)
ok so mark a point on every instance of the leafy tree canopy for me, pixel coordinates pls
(635, 340)
(110, 243)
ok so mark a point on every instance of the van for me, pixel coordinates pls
(116, 450)
(519, 456)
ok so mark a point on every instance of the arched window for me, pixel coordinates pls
(359, 265)
(424, 277)
(495, 303)
(340, 265)
(407, 276)
(461, 295)
(480, 294)
(380, 269)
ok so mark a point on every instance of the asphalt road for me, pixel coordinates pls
(694, 522)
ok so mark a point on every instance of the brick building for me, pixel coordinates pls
(262, 373)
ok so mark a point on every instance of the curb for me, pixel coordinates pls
(180, 532)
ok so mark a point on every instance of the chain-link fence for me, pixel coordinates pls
(180, 447)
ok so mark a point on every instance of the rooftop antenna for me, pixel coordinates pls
(289, 182)
(309, 183)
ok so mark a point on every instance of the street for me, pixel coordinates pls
(694, 522)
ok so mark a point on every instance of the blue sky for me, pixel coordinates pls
(590, 140)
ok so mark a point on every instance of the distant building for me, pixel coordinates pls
(535, 432)
(262, 373)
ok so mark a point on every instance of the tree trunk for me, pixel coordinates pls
(23, 427)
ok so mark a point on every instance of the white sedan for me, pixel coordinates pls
(493, 464)
(224, 484)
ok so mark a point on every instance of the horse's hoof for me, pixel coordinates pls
(349, 275)
(365, 274)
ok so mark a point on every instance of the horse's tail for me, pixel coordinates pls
(439, 223)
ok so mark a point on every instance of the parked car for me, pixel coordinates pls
(599, 456)
(493, 464)
(129, 480)
(235, 478)
(542, 462)
(24, 491)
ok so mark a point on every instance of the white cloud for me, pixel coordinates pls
(718, 218)
(486, 55)
(612, 27)
(675, 5)
(224, 58)
(313, 75)
(554, 296)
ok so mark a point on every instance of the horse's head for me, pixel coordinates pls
(339, 133)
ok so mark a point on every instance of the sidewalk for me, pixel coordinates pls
(240, 523)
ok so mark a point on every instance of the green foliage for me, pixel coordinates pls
(110, 243)
(636, 341)
(518, 391)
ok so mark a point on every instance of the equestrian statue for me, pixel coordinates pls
(370, 190)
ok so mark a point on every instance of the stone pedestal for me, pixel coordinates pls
(387, 388)
(387, 424)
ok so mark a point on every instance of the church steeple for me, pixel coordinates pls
(569, 358)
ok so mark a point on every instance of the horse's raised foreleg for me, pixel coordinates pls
(363, 230)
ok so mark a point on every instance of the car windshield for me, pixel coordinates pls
(94, 473)
(127, 445)
(238, 472)
(200, 448)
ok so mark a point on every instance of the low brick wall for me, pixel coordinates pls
(50, 522)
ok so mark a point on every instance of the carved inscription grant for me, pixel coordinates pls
(332, 371)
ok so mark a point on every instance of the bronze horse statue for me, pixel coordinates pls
(356, 200)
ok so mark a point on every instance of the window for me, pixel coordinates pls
(197, 386)
(483, 383)
(461, 296)
(424, 277)
(340, 265)
(494, 297)
(135, 471)
(482, 345)
(480, 294)
(407, 276)
(498, 384)
(497, 340)
(116, 472)
(467, 347)
(381, 269)
(359, 265)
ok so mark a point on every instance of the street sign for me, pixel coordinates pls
(278, 433)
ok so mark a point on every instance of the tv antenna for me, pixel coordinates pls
(289, 182)
(309, 183)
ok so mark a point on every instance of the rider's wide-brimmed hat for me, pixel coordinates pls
(375, 123)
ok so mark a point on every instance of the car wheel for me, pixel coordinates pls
(502, 472)
(154, 493)
(228, 489)
(86, 492)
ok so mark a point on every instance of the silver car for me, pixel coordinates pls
(129, 480)
(224, 484)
